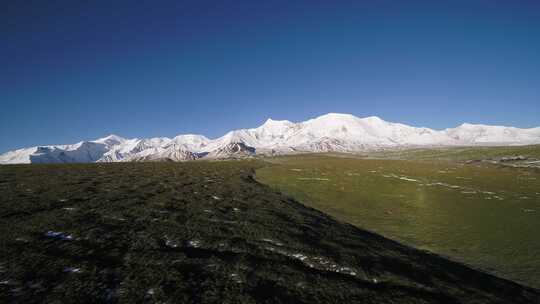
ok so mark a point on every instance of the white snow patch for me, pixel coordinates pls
(194, 243)
(170, 243)
(277, 243)
(59, 235)
(408, 179)
(72, 270)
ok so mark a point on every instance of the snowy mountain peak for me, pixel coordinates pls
(330, 132)
(271, 122)
(114, 137)
(374, 119)
(111, 140)
(191, 137)
(467, 125)
(333, 118)
(337, 116)
(191, 142)
(274, 127)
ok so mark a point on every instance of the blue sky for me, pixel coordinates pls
(73, 70)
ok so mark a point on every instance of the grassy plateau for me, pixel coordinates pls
(485, 214)
(208, 232)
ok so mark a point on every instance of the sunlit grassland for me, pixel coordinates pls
(459, 153)
(207, 232)
(485, 216)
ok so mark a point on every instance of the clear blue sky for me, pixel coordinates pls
(73, 70)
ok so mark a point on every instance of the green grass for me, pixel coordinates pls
(459, 153)
(203, 232)
(482, 215)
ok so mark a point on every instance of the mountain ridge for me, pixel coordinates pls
(332, 132)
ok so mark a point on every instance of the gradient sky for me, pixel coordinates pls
(74, 70)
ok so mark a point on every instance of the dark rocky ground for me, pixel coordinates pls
(204, 232)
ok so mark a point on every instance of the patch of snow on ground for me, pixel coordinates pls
(408, 179)
(405, 178)
(316, 262)
(235, 277)
(444, 185)
(194, 243)
(170, 243)
(59, 235)
(277, 243)
(72, 269)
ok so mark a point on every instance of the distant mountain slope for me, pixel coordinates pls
(326, 133)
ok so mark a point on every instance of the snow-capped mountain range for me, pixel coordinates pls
(327, 133)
